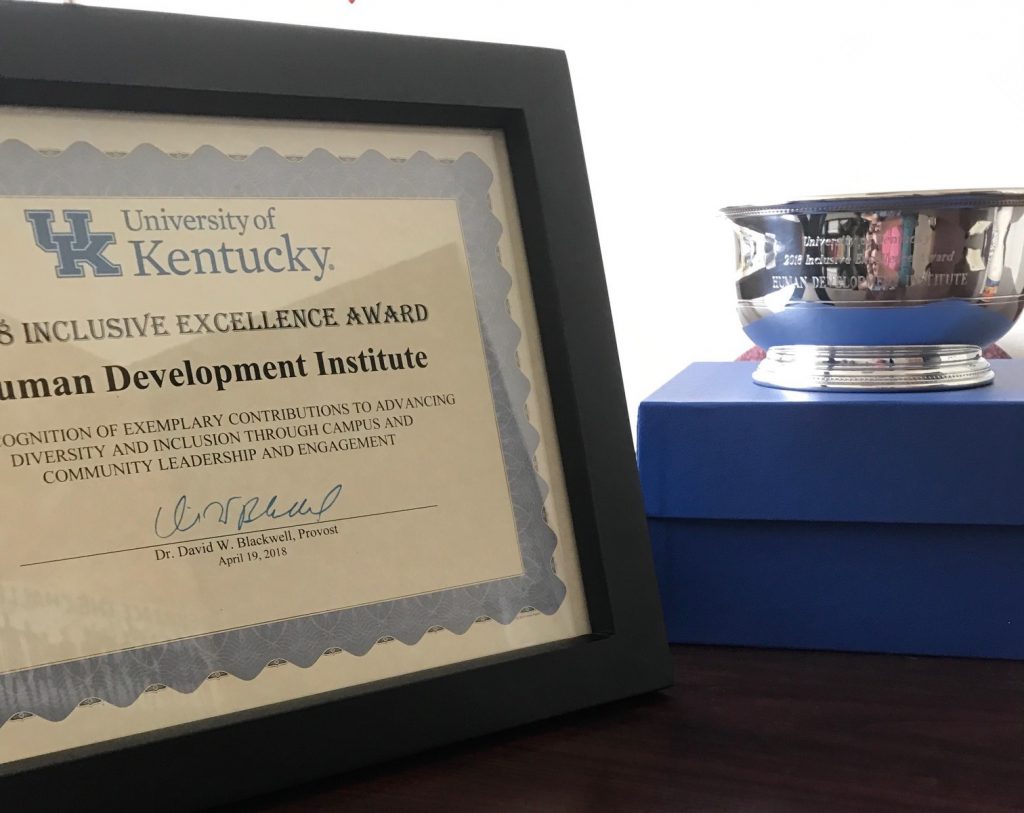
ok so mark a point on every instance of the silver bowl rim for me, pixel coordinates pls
(885, 201)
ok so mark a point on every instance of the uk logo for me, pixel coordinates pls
(77, 248)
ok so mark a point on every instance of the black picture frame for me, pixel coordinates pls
(89, 58)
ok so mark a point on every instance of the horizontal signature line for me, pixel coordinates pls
(220, 536)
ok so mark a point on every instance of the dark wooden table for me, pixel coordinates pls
(743, 730)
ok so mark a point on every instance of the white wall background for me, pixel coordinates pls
(733, 101)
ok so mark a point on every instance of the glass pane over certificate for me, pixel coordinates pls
(275, 419)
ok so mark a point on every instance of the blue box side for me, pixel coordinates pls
(917, 589)
(711, 444)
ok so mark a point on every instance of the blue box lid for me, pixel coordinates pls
(714, 445)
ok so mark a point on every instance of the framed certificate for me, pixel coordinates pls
(313, 448)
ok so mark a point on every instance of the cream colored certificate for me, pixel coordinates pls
(274, 419)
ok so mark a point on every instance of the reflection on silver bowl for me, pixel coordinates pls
(880, 292)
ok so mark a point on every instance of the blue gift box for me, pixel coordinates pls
(852, 521)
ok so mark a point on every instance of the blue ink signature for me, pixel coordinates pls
(242, 511)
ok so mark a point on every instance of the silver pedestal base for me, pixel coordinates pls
(875, 369)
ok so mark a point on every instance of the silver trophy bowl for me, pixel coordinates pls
(880, 292)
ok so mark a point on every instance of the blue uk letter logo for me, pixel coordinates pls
(76, 248)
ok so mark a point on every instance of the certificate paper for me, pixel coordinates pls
(275, 419)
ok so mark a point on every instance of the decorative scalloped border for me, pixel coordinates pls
(53, 692)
